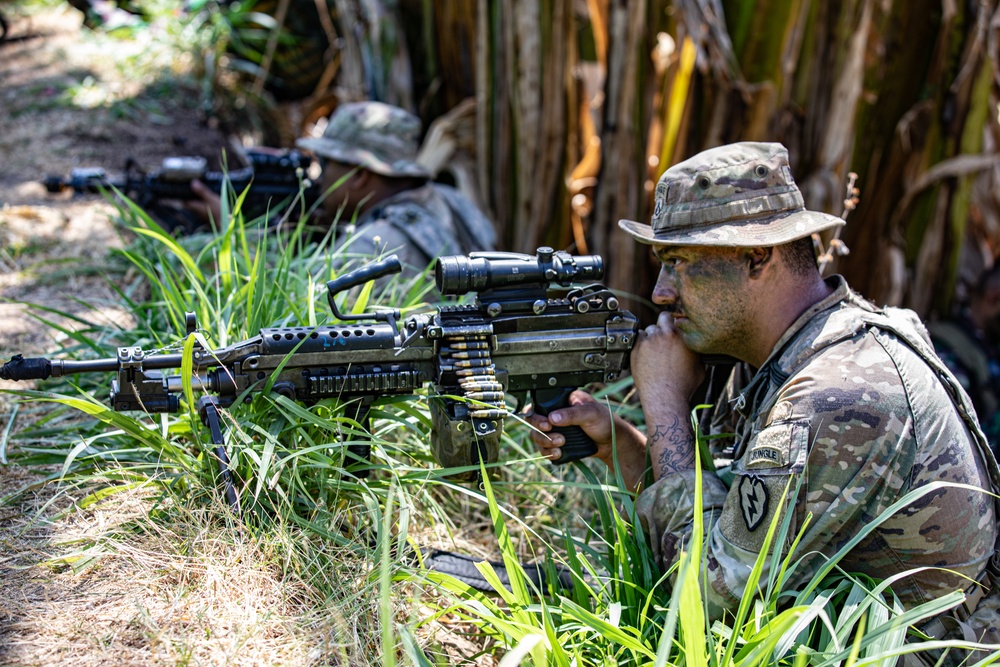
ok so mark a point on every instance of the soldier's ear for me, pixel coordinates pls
(362, 179)
(757, 259)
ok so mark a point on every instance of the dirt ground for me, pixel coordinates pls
(106, 585)
(64, 103)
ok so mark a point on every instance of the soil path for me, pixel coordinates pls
(159, 593)
(68, 99)
(71, 99)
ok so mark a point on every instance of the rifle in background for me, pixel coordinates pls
(273, 177)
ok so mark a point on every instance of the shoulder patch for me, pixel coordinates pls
(754, 501)
(778, 449)
(765, 456)
(771, 449)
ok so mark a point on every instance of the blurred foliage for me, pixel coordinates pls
(580, 106)
(558, 116)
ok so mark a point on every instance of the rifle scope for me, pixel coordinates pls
(483, 271)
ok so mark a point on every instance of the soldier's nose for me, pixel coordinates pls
(663, 293)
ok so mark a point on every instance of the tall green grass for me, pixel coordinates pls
(288, 459)
(622, 611)
(294, 488)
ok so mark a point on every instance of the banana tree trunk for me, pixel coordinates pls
(581, 105)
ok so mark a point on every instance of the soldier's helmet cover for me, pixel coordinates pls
(380, 137)
(740, 195)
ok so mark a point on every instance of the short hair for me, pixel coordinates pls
(800, 256)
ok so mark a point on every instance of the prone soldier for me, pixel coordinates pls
(377, 193)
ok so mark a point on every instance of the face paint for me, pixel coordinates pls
(705, 289)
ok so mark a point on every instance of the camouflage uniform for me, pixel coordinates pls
(851, 411)
(418, 225)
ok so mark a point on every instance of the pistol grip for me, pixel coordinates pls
(578, 444)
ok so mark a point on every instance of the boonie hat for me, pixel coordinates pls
(374, 135)
(741, 194)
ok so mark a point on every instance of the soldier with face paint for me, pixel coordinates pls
(848, 407)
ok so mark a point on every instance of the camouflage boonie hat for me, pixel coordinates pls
(741, 195)
(376, 136)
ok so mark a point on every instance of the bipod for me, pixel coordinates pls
(208, 410)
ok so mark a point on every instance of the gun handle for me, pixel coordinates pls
(360, 276)
(578, 443)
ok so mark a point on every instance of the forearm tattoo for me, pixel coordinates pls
(676, 447)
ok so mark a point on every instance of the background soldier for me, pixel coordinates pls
(382, 200)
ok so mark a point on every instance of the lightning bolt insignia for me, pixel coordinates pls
(754, 500)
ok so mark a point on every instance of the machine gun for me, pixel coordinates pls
(275, 175)
(539, 328)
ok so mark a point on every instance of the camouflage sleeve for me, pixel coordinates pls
(666, 510)
(380, 238)
(847, 431)
(667, 513)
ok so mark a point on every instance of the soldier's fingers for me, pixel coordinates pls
(547, 441)
(197, 207)
(538, 421)
(664, 323)
(540, 434)
(580, 397)
(578, 415)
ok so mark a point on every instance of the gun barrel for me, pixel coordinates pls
(39, 368)
(55, 184)
(19, 368)
(174, 384)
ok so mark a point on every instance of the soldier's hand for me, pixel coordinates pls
(663, 368)
(208, 205)
(596, 421)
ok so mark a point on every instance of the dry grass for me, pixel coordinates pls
(51, 257)
(110, 585)
(117, 583)
(67, 104)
